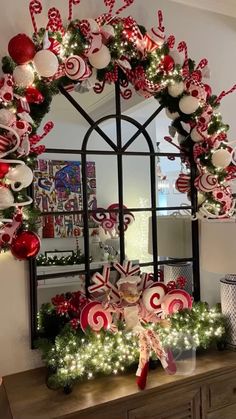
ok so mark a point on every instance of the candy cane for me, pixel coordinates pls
(223, 94)
(127, 4)
(183, 47)
(35, 8)
(160, 21)
(171, 41)
(71, 3)
(126, 269)
(203, 63)
(46, 129)
(55, 21)
(102, 283)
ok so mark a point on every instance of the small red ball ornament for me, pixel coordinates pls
(33, 95)
(21, 49)
(4, 169)
(25, 245)
(168, 63)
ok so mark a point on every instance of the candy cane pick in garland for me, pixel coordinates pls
(71, 3)
(35, 8)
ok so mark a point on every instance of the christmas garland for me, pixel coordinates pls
(63, 346)
(85, 55)
(76, 259)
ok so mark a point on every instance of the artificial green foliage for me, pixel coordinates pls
(72, 355)
(75, 259)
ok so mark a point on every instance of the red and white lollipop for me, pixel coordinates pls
(93, 315)
(76, 68)
(206, 182)
(175, 301)
(152, 297)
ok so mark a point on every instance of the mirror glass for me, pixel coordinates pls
(59, 197)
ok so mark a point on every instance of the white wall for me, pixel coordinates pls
(209, 35)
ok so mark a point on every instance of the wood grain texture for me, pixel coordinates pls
(5, 412)
(110, 397)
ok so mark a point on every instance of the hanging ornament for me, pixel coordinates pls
(33, 95)
(100, 59)
(171, 115)
(21, 49)
(46, 63)
(168, 63)
(25, 245)
(6, 198)
(188, 104)
(7, 117)
(4, 169)
(182, 184)
(221, 158)
(76, 68)
(23, 75)
(206, 182)
(19, 177)
(176, 89)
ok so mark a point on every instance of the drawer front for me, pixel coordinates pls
(181, 405)
(228, 412)
(222, 391)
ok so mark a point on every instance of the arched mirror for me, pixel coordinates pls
(106, 190)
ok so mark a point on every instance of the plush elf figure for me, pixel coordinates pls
(134, 315)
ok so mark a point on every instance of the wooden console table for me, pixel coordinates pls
(209, 393)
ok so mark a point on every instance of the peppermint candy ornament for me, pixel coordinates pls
(182, 184)
(152, 297)
(76, 68)
(94, 316)
(175, 301)
(206, 182)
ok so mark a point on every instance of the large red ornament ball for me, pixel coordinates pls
(25, 245)
(168, 63)
(4, 169)
(21, 49)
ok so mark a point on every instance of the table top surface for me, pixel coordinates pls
(27, 391)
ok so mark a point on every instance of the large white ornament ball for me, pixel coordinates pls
(75, 67)
(195, 136)
(221, 158)
(172, 115)
(46, 63)
(188, 104)
(23, 75)
(177, 57)
(100, 59)
(7, 117)
(176, 89)
(6, 198)
(20, 177)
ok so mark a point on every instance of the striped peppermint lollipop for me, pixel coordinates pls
(176, 300)
(153, 296)
(93, 315)
(206, 182)
(182, 184)
(75, 67)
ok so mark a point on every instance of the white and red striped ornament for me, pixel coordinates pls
(206, 182)
(175, 301)
(95, 317)
(152, 297)
(76, 68)
(182, 184)
(8, 145)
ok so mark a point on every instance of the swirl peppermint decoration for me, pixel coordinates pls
(86, 54)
